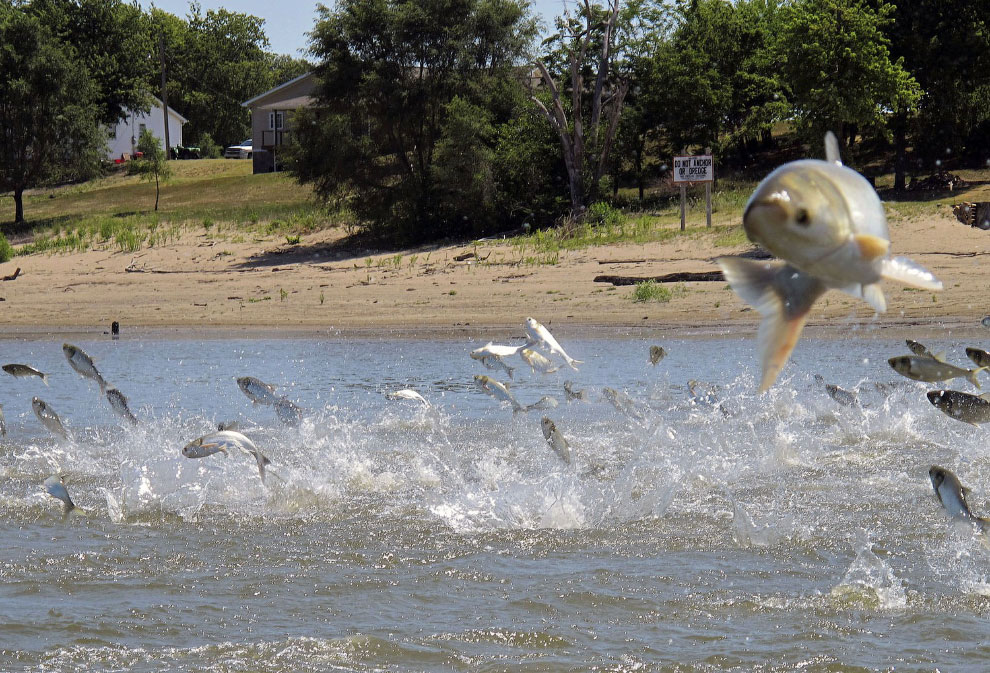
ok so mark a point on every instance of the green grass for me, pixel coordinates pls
(651, 291)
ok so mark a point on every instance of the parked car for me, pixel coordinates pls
(182, 152)
(240, 151)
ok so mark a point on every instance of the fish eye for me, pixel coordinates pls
(802, 217)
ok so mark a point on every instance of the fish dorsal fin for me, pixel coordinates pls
(832, 149)
(940, 356)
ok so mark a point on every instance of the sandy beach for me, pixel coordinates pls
(205, 280)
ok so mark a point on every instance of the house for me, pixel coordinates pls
(124, 137)
(271, 118)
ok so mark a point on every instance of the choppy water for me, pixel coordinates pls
(779, 532)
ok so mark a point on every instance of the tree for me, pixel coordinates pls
(838, 67)
(153, 164)
(411, 96)
(49, 116)
(598, 107)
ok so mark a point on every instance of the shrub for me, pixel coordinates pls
(6, 249)
(651, 291)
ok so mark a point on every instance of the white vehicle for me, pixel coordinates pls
(243, 150)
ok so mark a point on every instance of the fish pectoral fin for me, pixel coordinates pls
(906, 271)
(874, 297)
(832, 149)
(783, 295)
(871, 247)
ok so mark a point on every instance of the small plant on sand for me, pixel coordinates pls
(321, 297)
(293, 240)
(650, 290)
(282, 294)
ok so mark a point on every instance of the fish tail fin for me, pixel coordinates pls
(44, 379)
(910, 273)
(971, 376)
(571, 362)
(781, 294)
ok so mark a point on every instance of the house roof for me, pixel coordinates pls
(259, 99)
(158, 103)
(288, 104)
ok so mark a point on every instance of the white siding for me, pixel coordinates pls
(128, 130)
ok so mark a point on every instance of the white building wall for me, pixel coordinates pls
(128, 131)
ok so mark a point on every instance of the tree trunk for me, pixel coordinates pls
(900, 152)
(19, 205)
(156, 192)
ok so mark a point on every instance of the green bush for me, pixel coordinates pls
(208, 148)
(602, 213)
(6, 250)
(651, 291)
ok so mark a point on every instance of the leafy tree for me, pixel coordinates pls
(108, 36)
(153, 164)
(837, 64)
(49, 115)
(411, 96)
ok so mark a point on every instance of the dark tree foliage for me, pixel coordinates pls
(109, 38)
(49, 109)
(412, 97)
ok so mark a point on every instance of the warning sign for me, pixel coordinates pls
(694, 169)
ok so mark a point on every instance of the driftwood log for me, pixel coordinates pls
(14, 275)
(680, 277)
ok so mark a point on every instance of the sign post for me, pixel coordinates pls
(691, 169)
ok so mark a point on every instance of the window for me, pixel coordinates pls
(141, 128)
(276, 120)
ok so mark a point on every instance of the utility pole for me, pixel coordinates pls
(161, 57)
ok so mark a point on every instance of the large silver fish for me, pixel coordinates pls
(538, 362)
(119, 404)
(931, 370)
(540, 334)
(257, 390)
(497, 390)
(407, 394)
(498, 350)
(826, 222)
(55, 487)
(841, 395)
(952, 494)
(223, 442)
(972, 409)
(48, 417)
(556, 440)
(201, 447)
(83, 364)
(289, 413)
(493, 362)
(21, 371)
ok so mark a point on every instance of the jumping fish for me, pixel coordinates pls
(407, 394)
(257, 391)
(3, 423)
(55, 487)
(83, 364)
(841, 395)
(918, 349)
(537, 361)
(980, 357)
(22, 371)
(826, 222)
(119, 404)
(556, 440)
(201, 447)
(498, 350)
(931, 370)
(497, 390)
(972, 409)
(493, 362)
(952, 494)
(571, 394)
(48, 417)
(545, 402)
(224, 441)
(540, 334)
(657, 353)
(289, 413)
(623, 402)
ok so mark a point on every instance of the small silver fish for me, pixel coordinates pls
(497, 390)
(545, 402)
(119, 404)
(952, 494)
(931, 370)
(540, 334)
(623, 402)
(537, 361)
(22, 371)
(918, 349)
(289, 413)
(257, 391)
(556, 440)
(841, 395)
(224, 441)
(83, 364)
(201, 447)
(980, 357)
(494, 362)
(407, 394)
(827, 225)
(657, 353)
(48, 417)
(55, 487)
(972, 409)
(3, 423)
(571, 394)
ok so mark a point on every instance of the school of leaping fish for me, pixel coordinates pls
(825, 223)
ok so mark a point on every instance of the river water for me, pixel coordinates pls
(722, 532)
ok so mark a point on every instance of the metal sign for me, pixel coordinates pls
(694, 169)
